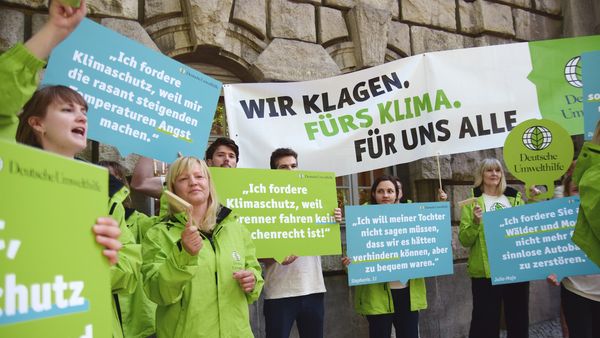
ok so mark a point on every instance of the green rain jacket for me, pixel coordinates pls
(18, 81)
(137, 311)
(471, 235)
(587, 178)
(376, 299)
(197, 296)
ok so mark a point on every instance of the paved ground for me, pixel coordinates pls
(547, 329)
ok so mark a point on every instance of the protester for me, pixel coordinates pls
(491, 194)
(579, 295)
(586, 177)
(54, 119)
(223, 152)
(137, 311)
(294, 290)
(393, 303)
(200, 266)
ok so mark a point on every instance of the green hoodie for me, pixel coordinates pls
(587, 178)
(197, 296)
(471, 235)
(18, 81)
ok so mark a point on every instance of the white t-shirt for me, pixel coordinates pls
(587, 286)
(303, 277)
(493, 203)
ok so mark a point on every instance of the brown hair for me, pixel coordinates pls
(38, 106)
(384, 178)
(222, 141)
(279, 153)
(118, 170)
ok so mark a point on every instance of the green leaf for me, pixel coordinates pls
(537, 138)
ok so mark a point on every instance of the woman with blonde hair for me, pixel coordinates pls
(200, 265)
(491, 193)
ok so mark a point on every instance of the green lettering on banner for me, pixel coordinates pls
(287, 212)
(54, 280)
(557, 76)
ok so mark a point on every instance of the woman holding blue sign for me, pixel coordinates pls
(200, 265)
(491, 193)
(55, 120)
(393, 303)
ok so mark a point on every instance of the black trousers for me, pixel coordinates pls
(307, 311)
(487, 303)
(406, 322)
(581, 314)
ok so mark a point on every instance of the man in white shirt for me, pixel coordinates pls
(294, 290)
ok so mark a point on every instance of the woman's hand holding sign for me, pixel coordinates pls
(107, 234)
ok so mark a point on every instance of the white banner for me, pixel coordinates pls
(445, 102)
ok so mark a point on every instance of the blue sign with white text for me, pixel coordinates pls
(591, 92)
(397, 242)
(139, 100)
(533, 241)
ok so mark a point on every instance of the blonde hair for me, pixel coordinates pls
(596, 138)
(184, 165)
(490, 163)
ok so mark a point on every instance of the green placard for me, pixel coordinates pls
(538, 152)
(556, 74)
(288, 212)
(54, 280)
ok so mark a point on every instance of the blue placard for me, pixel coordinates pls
(532, 241)
(397, 242)
(591, 92)
(139, 100)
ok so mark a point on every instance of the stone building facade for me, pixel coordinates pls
(295, 40)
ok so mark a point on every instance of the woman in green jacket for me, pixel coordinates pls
(491, 193)
(54, 119)
(587, 178)
(393, 303)
(200, 266)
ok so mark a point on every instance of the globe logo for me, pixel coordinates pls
(497, 206)
(573, 72)
(537, 138)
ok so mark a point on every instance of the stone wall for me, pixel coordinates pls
(281, 40)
